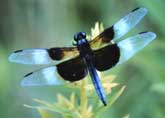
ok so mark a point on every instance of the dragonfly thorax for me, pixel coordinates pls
(82, 44)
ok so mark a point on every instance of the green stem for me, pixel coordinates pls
(83, 98)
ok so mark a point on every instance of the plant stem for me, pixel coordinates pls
(83, 98)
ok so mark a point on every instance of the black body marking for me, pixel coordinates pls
(18, 51)
(135, 9)
(143, 32)
(107, 57)
(107, 35)
(72, 70)
(55, 53)
(28, 74)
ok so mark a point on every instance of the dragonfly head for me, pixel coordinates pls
(78, 36)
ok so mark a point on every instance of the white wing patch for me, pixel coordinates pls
(132, 45)
(42, 77)
(31, 56)
(128, 22)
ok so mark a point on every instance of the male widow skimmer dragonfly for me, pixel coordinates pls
(102, 53)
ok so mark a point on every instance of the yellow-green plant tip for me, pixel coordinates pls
(28, 106)
(109, 78)
(61, 100)
(43, 102)
(116, 96)
(89, 87)
(98, 28)
(108, 87)
(45, 114)
(90, 112)
(72, 100)
(83, 98)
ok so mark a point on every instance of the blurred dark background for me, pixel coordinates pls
(51, 23)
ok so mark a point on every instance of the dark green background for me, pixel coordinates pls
(50, 23)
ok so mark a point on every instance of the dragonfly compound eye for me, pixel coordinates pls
(79, 36)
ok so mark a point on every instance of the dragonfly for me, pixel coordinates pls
(70, 64)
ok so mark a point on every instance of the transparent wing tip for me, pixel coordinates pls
(42, 77)
(141, 9)
(26, 81)
(153, 35)
(150, 35)
(144, 10)
(12, 57)
(23, 83)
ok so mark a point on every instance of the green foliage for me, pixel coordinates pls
(69, 108)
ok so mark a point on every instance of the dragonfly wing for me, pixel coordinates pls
(43, 56)
(126, 23)
(71, 70)
(130, 46)
(42, 77)
(108, 56)
(119, 29)
(31, 56)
